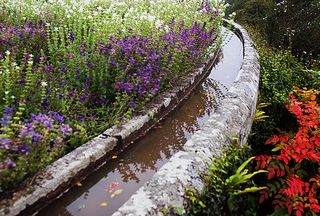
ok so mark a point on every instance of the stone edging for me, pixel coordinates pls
(233, 117)
(62, 174)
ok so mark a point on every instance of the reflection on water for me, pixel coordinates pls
(139, 162)
(104, 191)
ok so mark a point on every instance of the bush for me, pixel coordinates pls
(280, 71)
(293, 167)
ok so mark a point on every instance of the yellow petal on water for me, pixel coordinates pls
(79, 184)
(104, 204)
(116, 193)
(114, 157)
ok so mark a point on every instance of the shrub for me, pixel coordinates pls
(280, 71)
(293, 167)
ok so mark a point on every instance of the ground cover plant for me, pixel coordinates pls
(70, 69)
(228, 185)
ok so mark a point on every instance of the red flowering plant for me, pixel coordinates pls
(293, 168)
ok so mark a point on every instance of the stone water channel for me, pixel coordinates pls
(110, 186)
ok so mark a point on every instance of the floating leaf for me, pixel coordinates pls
(116, 193)
(104, 204)
(78, 183)
(114, 157)
(113, 186)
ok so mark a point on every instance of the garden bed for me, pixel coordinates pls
(67, 77)
(65, 172)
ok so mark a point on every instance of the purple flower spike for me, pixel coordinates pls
(133, 105)
(10, 163)
(71, 36)
(65, 129)
(5, 143)
(56, 116)
(7, 113)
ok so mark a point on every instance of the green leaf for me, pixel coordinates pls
(245, 178)
(276, 149)
(201, 204)
(179, 210)
(243, 165)
(248, 190)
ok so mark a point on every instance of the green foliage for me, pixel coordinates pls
(291, 24)
(252, 12)
(242, 177)
(227, 186)
(260, 114)
(280, 71)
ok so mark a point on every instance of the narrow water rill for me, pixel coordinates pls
(106, 189)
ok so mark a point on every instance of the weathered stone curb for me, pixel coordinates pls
(63, 173)
(233, 117)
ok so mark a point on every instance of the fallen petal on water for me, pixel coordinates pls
(113, 186)
(78, 183)
(116, 193)
(104, 204)
(81, 207)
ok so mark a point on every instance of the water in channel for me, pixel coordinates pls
(109, 187)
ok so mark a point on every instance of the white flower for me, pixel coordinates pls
(151, 18)
(7, 52)
(44, 84)
(159, 23)
(6, 92)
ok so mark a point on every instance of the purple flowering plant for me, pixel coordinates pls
(67, 77)
(19, 37)
(28, 146)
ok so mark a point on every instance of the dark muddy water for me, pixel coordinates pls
(105, 190)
